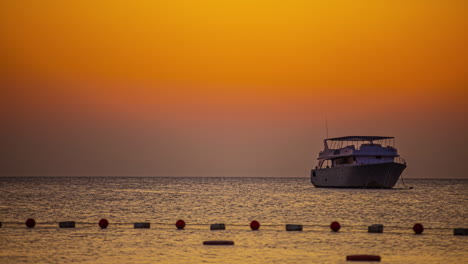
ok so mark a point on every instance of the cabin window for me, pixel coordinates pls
(344, 160)
(324, 164)
(339, 161)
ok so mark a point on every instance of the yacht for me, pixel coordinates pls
(358, 162)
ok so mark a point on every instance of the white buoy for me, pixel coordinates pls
(141, 225)
(217, 227)
(290, 227)
(460, 232)
(67, 224)
(377, 228)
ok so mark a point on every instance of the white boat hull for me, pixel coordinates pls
(380, 175)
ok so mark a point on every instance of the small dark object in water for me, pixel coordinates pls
(363, 258)
(68, 224)
(377, 228)
(460, 231)
(218, 227)
(218, 243)
(141, 225)
(290, 227)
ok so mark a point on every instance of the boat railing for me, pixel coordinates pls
(400, 160)
(379, 161)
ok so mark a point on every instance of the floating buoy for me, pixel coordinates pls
(218, 243)
(418, 228)
(180, 224)
(377, 228)
(363, 258)
(335, 226)
(290, 227)
(67, 224)
(30, 223)
(217, 227)
(103, 223)
(460, 232)
(254, 225)
(141, 225)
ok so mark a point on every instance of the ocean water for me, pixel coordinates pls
(440, 205)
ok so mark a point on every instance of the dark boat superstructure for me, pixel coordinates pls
(358, 162)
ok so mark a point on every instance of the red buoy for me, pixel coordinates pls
(30, 223)
(418, 228)
(335, 226)
(254, 225)
(363, 258)
(103, 223)
(180, 224)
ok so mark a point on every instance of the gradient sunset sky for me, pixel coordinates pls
(228, 87)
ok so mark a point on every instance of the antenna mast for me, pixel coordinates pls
(326, 124)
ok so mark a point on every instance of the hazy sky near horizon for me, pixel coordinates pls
(228, 88)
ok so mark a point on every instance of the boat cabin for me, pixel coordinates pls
(357, 150)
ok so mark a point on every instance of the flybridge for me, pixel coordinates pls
(364, 150)
(356, 150)
(357, 142)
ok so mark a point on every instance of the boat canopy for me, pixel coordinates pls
(358, 138)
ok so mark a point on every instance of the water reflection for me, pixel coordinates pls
(235, 202)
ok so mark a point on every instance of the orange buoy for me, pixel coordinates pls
(180, 224)
(335, 226)
(254, 225)
(418, 228)
(30, 223)
(363, 258)
(103, 223)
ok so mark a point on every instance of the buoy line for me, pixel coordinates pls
(180, 224)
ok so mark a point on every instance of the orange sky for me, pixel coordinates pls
(227, 87)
